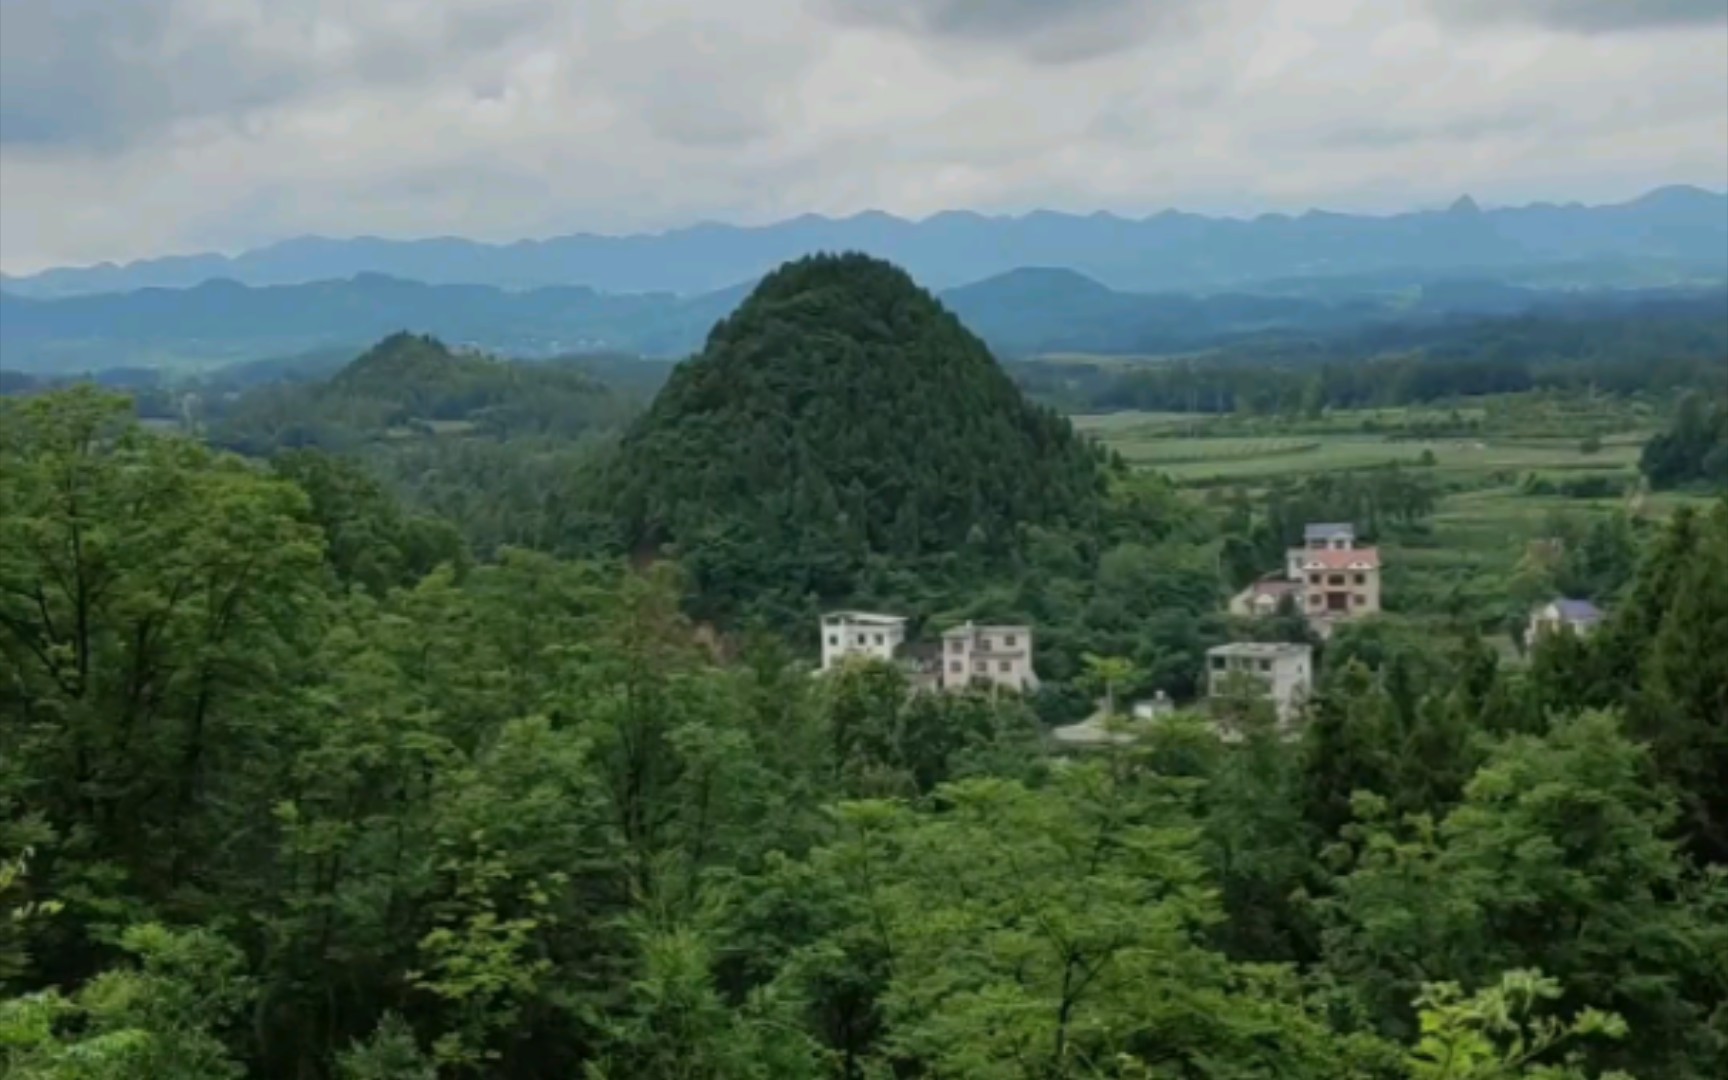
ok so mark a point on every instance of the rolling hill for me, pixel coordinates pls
(1021, 313)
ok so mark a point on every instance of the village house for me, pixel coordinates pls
(860, 633)
(1261, 599)
(1324, 536)
(968, 655)
(1328, 579)
(1282, 673)
(1578, 616)
(995, 655)
(1340, 584)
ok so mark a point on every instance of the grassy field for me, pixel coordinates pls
(1463, 559)
(1227, 459)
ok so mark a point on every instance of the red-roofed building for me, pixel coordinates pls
(1263, 597)
(1341, 584)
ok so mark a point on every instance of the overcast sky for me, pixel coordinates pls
(132, 128)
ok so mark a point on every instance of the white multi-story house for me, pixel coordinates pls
(994, 655)
(860, 633)
(1578, 616)
(1283, 672)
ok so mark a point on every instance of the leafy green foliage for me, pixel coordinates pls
(406, 386)
(1496, 1032)
(292, 786)
(1695, 449)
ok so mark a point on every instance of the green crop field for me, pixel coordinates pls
(1200, 461)
(1487, 515)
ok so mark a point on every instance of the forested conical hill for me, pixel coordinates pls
(401, 363)
(842, 411)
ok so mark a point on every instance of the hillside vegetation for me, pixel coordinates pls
(841, 413)
(292, 789)
(504, 450)
(466, 738)
(408, 385)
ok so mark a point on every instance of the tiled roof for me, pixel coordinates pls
(869, 617)
(1326, 530)
(1353, 559)
(1577, 610)
(981, 628)
(1259, 649)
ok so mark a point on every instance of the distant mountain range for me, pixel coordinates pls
(1024, 312)
(1669, 235)
(222, 321)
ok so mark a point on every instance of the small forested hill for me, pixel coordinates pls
(402, 363)
(502, 449)
(841, 412)
(413, 385)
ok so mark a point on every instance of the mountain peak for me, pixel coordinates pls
(820, 422)
(1036, 282)
(399, 359)
(1464, 205)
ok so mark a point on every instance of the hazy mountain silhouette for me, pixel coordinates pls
(1675, 231)
(1019, 313)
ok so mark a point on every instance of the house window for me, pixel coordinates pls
(980, 666)
(834, 640)
(956, 667)
(1335, 579)
(1361, 600)
(955, 646)
(1313, 599)
(1004, 667)
(1313, 579)
(1217, 663)
(1011, 641)
(984, 643)
(1361, 579)
(878, 639)
(1265, 665)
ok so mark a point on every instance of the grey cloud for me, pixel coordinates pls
(100, 74)
(1377, 135)
(87, 71)
(701, 84)
(1050, 31)
(1587, 16)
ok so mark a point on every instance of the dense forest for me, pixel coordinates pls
(443, 738)
(1695, 449)
(288, 790)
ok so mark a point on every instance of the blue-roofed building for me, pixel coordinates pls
(1577, 616)
(1334, 535)
(1318, 536)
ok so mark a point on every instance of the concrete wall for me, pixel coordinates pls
(998, 655)
(843, 637)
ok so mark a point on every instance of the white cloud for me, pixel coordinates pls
(173, 125)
